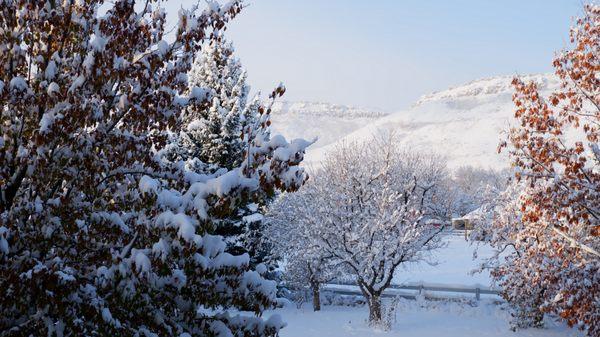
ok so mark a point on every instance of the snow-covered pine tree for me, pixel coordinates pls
(220, 135)
(98, 234)
(221, 143)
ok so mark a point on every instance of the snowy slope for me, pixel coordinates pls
(464, 123)
(328, 122)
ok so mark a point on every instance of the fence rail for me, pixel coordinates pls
(430, 291)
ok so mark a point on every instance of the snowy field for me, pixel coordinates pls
(424, 318)
(413, 319)
(454, 264)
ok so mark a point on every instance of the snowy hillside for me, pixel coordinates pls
(463, 123)
(328, 122)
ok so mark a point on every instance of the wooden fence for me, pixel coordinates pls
(411, 291)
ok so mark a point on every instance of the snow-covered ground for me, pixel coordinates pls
(413, 319)
(423, 318)
(454, 264)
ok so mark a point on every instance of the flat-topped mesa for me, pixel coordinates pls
(325, 109)
(492, 86)
(325, 121)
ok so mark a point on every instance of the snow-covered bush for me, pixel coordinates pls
(389, 309)
(499, 224)
(99, 233)
(333, 298)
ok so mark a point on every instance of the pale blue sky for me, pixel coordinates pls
(386, 53)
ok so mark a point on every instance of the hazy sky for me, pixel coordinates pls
(386, 53)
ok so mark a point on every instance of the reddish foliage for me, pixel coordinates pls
(555, 151)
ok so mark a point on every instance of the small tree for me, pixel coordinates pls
(368, 200)
(473, 186)
(558, 239)
(290, 234)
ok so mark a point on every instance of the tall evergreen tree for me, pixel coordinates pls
(218, 137)
(220, 143)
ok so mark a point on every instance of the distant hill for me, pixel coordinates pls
(328, 122)
(464, 123)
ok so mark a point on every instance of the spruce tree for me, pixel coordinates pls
(218, 137)
(220, 143)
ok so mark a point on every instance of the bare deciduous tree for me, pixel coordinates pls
(367, 204)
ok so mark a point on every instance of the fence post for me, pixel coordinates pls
(477, 293)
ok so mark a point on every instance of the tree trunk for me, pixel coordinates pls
(10, 190)
(374, 302)
(316, 297)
